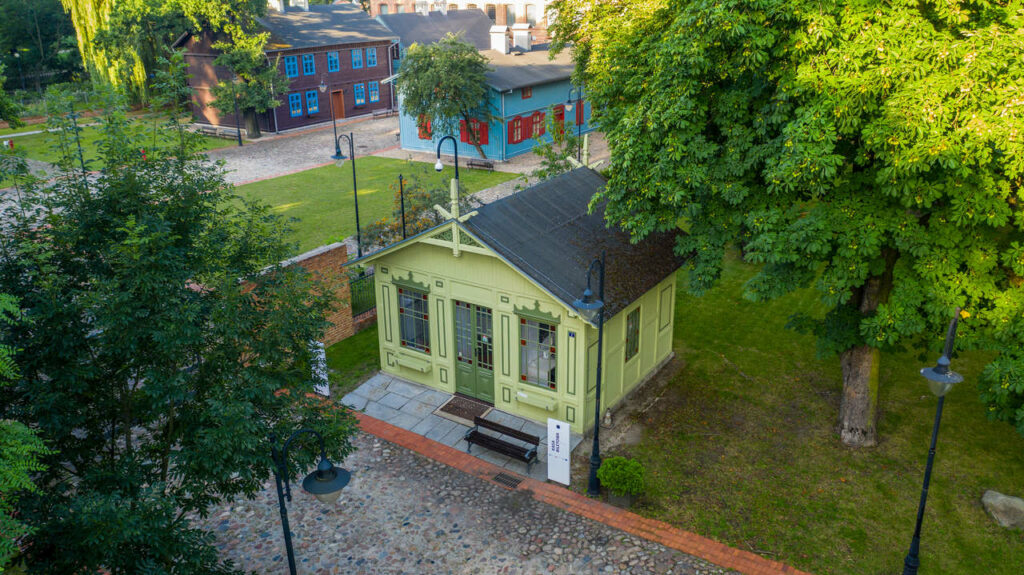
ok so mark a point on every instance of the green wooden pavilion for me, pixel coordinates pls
(482, 305)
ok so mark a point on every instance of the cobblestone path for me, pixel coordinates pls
(404, 513)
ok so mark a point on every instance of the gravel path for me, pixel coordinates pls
(403, 513)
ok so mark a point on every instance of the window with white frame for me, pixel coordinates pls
(413, 319)
(537, 351)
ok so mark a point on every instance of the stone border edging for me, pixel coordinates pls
(650, 529)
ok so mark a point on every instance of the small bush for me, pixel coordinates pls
(622, 476)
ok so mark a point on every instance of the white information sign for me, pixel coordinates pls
(559, 446)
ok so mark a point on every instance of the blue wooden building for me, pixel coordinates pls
(526, 86)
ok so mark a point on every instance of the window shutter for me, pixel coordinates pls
(541, 127)
(512, 130)
(560, 118)
(482, 127)
(463, 132)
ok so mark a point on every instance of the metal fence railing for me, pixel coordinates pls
(362, 293)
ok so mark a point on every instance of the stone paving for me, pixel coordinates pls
(289, 152)
(411, 406)
(404, 513)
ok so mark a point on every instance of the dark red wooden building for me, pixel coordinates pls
(335, 57)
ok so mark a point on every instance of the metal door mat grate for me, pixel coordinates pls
(463, 410)
(506, 480)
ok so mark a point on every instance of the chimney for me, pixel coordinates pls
(521, 36)
(276, 5)
(304, 4)
(499, 39)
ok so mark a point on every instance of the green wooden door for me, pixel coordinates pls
(474, 347)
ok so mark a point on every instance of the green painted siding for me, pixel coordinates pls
(486, 280)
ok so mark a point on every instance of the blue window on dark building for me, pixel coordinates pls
(371, 57)
(291, 66)
(360, 94)
(295, 104)
(374, 92)
(357, 58)
(332, 62)
(312, 102)
(308, 67)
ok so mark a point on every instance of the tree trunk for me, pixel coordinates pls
(252, 125)
(858, 408)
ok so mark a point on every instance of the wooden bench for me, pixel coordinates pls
(383, 113)
(525, 453)
(481, 164)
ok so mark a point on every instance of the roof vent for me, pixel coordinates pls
(499, 39)
(521, 36)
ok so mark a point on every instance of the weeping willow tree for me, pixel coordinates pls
(91, 18)
(121, 40)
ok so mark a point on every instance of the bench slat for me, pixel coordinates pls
(505, 430)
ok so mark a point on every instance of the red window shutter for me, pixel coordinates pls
(515, 133)
(482, 132)
(423, 125)
(463, 132)
(541, 126)
(579, 113)
(560, 118)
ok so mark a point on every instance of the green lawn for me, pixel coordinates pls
(742, 448)
(352, 360)
(42, 146)
(321, 198)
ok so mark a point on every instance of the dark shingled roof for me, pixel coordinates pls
(323, 25)
(414, 28)
(545, 231)
(532, 68)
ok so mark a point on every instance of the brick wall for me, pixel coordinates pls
(327, 262)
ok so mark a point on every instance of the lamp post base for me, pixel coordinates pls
(910, 564)
(594, 484)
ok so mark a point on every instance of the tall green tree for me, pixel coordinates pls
(37, 42)
(159, 352)
(445, 83)
(872, 150)
(121, 40)
(257, 83)
(9, 109)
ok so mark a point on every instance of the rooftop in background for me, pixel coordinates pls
(322, 25)
(415, 28)
(547, 233)
(519, 69)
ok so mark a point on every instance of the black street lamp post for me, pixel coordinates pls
(579, 125)
(439, 166)
(401, 196)
(940, 380)
(593, 311)
(330, 98)
(355, 193)
(17, 58)
(325, 483)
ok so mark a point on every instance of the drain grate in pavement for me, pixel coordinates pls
(506, 480)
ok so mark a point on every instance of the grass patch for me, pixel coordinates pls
(42, 147)
(742, 448)
(321, 199)
(352, 360)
